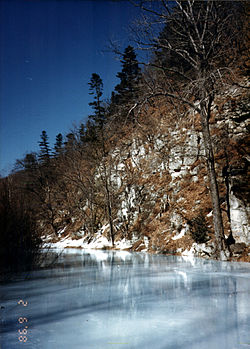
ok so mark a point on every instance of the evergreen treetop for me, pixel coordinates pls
(129, 77)
(96, 89)
(45, 150)
(58, 144)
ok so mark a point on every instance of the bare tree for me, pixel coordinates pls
(195, 46)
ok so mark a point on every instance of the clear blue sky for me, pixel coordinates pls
(48, 51)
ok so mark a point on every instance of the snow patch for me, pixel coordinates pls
(180, 235)
(188, 255)
(98, 242)
(123, 244)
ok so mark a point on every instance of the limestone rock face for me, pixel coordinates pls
(159, 184)
(240, 213)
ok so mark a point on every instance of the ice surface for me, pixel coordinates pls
(103, 299)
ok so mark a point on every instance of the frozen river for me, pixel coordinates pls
(102, 300)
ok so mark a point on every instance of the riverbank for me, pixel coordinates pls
(100, 242)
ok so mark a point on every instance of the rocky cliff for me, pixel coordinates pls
(159, 187)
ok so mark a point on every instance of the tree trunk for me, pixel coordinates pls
(108, 199)
(111, 227)
(214, 191)
(92, 218)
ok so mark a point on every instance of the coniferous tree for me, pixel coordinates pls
(127, 91)
(96, 89)
(45, 150)
(129, 77)
(70, 142)
(59, 144)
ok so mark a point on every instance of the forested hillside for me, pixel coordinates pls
(164, 164)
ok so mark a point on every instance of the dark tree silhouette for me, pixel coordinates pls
(58, 147)
(127, 89)
(45, 150)
(96, 89)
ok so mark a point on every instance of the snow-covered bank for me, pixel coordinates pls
(98, 242)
